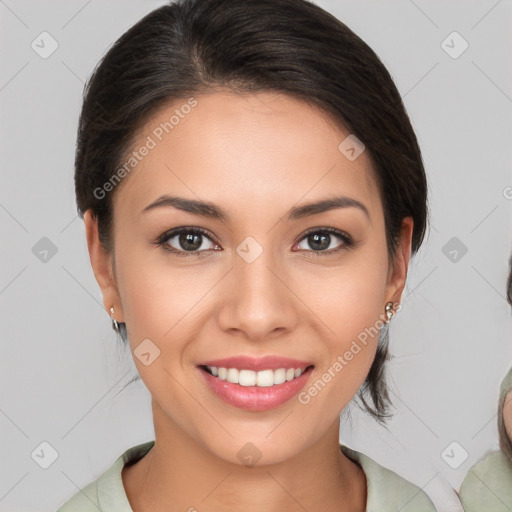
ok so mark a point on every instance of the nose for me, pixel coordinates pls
(258, 302)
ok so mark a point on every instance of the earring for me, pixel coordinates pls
(389, 312)
(115, 325)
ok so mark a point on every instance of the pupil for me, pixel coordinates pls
(187, 241)
(319, 241)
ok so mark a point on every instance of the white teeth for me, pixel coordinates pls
(279, 376)
(264, 378)
(247, 378)
(232, 375)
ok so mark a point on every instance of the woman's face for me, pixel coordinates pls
(265, 280)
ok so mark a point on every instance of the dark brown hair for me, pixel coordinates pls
(293, 47)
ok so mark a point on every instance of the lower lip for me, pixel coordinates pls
(255, 398)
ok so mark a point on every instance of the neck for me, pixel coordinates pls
(181, 471)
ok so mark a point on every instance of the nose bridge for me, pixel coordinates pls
(253, 275)
(258, 301)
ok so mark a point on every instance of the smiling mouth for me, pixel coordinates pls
(263, 378)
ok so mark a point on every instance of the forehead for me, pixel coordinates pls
(244, 151)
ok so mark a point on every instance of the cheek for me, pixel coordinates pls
(352, 299)
(159, 299)
(350, 304)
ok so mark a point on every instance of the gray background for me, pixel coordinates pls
(62, 368)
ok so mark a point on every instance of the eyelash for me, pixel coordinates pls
(165, 237)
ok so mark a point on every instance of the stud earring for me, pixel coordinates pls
(389, 312)
(115, 325)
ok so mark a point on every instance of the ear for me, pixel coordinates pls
(102, 265)
(398, 270)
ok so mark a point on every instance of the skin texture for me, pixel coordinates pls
(256, 156)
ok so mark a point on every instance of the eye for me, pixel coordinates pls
(321, 241)
(186, 241)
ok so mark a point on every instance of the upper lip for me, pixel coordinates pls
(257, 363)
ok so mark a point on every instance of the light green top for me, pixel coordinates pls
(488, 484)
(387, 492)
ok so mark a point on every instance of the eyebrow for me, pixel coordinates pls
(213, 211)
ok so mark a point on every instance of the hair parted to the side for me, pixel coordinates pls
(190, 47)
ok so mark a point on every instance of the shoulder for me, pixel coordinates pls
(386, 490)
(107, 491)
(487, 485)
(85, 500)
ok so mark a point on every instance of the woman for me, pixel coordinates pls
(488, 484)
(252, 192)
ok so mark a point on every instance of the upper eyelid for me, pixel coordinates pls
(171, 233)
(331, 231)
